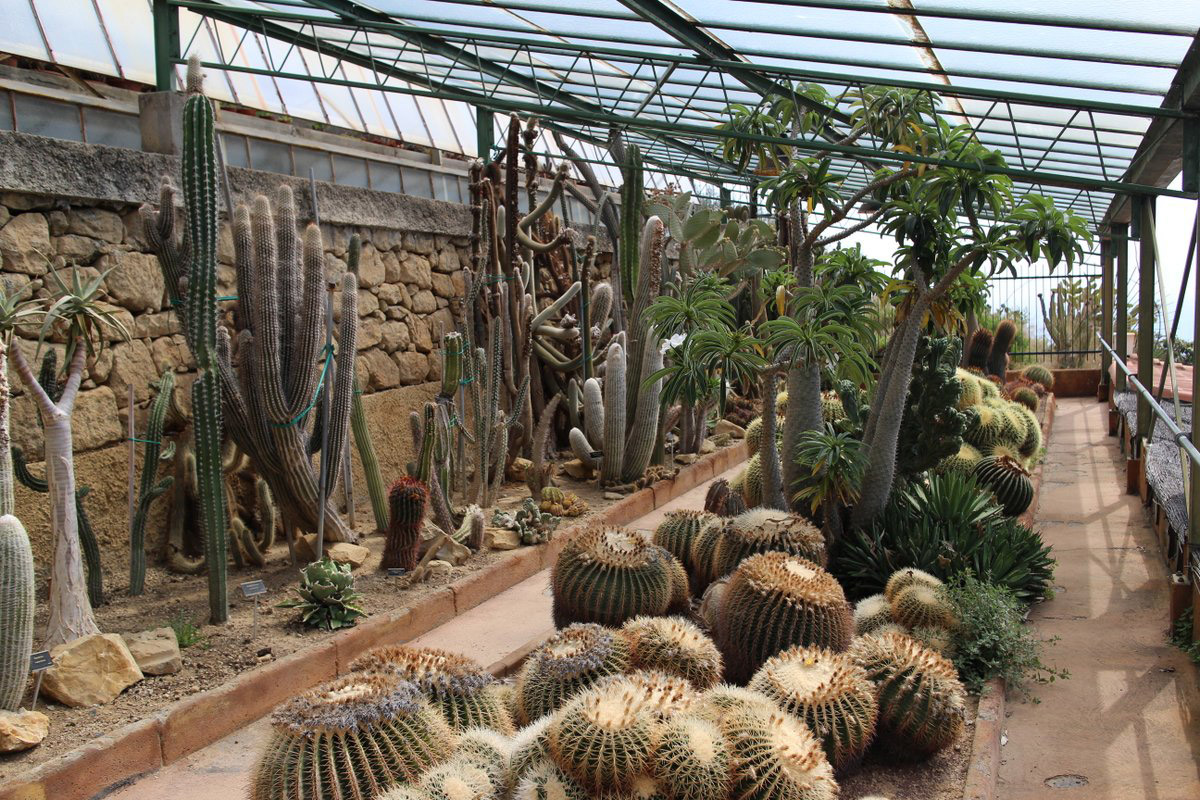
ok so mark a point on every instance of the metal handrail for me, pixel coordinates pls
(1181, 438)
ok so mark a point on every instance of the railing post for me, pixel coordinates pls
(1106, 306)
(1120, 248)
(1144, 208)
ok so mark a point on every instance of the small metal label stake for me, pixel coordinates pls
(596, 454)
(396, 572)
(254, 589)
(39, 662)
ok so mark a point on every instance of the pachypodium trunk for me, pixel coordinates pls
(70, 611)
(16, 572)
(407, 499)
(149, 488)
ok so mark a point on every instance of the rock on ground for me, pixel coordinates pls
(90, 670)
(156, 652)
(21, 730)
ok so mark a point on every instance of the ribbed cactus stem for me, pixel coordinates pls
(642, 435)
(16, 605)
(149, 489)
(593, 410)
(632, 196)
(370, 462)
(407, 499)
(649, 285)
(452, 364)
(614, 415)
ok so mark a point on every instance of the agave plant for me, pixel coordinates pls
(77, 310)
(327, 597)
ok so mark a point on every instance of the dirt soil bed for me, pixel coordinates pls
(941, 777)
(224, 651)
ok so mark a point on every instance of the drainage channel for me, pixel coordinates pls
(498, 632)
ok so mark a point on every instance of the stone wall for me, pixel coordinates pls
(65, 205)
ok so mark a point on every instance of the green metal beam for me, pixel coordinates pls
(1120, 244)
(166, 44)
(1144, 208)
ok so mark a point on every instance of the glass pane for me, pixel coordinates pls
(235, 150)
(416, 182)
(315, 160)
(6, 122)
(446, 187)
(43, 117)
(127, 25)
(384, 177)
(112, 128)
(270, 156)
(19, 34)
(75, 35)
(350, 171)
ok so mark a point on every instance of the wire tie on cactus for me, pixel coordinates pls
(316, 394)
(179, 300)
(497, 278)
(465, 381)
(143, 441)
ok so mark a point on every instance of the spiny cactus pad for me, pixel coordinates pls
(920, 697)
(774, 601)
(776, 757)
(459, 686)
(908, 576)
(871, 613)
(608, 575)
(676, 646)
(1008, 481)
(692, 759)
(570, 661)
(829, 692)
(924, 606)
(315, 749)
(762, 530)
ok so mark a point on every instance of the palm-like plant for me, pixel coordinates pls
(731, 354)
(79, 313)
(752, 121)
(698, 305)
(807, 181)
(831, 468)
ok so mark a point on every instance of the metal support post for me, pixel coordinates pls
(1120, 246)
(1144, 209)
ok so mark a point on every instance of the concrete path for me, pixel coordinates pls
(506, 623)
(1125, 721)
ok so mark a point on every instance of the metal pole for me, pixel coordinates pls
(166, 44)
(1144, 208)
(1120, 246)
(1106, 306)
(323, 475)
(1193, 473)
(485, 132)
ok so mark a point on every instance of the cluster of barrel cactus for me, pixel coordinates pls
(915, 603)
(562, 504)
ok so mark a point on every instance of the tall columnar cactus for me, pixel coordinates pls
(407, 499)
(633, 195)
(358, 422)
(626, 418)
(269, 392)
(16, 571)
(149, 488)
(1002, 342)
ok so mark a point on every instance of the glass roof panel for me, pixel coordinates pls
(73, 27)
(19, 34)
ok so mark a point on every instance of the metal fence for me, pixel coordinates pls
(1058, 316)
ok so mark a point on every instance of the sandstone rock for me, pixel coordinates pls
(57, 220)
(416, 270)
(393, 336)
(708, 446)
(389, 295)
(443, 286)
(25, 244)
(613, 496)
(448, 261)
(500, 539)
(418, 243)
(458, 284)
(381, 369)
(686, 458)
(421, 336)
(21, 730)
(435, 367)
(156, 652)
(362, 372)
(423, 302)
(340, 552)
(97, 223)
(135, 281)
(371, 271)
(411, 367)
(370, 333)
(516, 470)
(90, 670)
(439, 569)
(387, 239)
(577, 469)
(94, 423)
(76, 249)
(367, 303)
(152, 326)
(132, 364)
(170, 352)
(725, 426)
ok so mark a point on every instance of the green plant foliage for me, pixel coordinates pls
(945, 527)
(609, 575)
(186, 632)
(327, 597)
(1181, 635)
(831, 467)
(992, 640)
(932, 427)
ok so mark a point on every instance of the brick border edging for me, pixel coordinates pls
(184, 727)
(983, 767)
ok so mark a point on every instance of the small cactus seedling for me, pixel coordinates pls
(458, 686)
(315, 751)
(921, 701)
(570, 661)
(675, 646)
(327, 597)
(829, 692)
(872, 613)
(775, 601)
(608, 575)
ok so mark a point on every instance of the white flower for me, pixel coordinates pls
(673, 342)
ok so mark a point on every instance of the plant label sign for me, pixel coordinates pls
(596, 454)
(396, 572)
(253, 588)
(40, 660)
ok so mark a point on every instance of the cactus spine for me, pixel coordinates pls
(358, 423)
(407, 498)
(572, 660)
(614, 414)
(149, 488)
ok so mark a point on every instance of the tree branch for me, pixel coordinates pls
(853, 229)
(74, 377)
(854, 200)
(45, 404)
